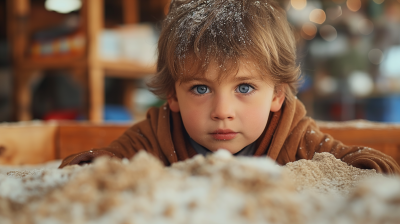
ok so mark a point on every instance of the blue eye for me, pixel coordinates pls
(244, 88)
(201, 89)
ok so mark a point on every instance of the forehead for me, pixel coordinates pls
(238, 70)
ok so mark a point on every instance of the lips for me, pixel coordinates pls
(224, 134)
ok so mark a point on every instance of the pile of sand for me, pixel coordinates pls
(4, 169)
(217, 189)
(324, 174)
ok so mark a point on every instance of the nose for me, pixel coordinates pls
(222, 108)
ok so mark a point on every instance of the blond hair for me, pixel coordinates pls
(227, 32)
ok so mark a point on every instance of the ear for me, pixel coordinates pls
(279, 98)
(173, 102)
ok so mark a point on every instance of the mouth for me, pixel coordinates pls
(223, 134)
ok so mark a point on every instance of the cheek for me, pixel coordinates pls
(255, 117)
(193, 116)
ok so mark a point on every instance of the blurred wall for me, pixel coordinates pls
(349, 52)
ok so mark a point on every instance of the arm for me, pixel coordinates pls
(126, 146)
(313, 140)
(141, 136)
(84, 157)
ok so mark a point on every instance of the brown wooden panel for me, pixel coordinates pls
(127, 69)
(131, 11)
(27, 143)
(390, 135)
(31, 143)
(379, 136)
(75, 138)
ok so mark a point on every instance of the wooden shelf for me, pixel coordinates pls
(53, 63)
(91, 68)
(118, 68)
(126, 69)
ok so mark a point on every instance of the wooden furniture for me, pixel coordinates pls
(379, 136)
(77, 137)
(89, 68)
(39, 142)
(27, 144)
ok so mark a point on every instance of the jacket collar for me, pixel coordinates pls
(292, 113)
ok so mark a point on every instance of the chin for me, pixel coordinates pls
(228, 145)
(225, 148)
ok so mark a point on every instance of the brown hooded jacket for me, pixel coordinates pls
(289, 136)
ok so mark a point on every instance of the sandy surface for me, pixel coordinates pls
(216, 189)
(49, 165)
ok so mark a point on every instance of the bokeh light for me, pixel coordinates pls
(360, 83)
(328, 32)
(379, 1)
(375, 56)
(390, 66)
(366, 26)
(308, 31)
(334, 12)
(318, 16)
(354, 5)
(298, 4)
(338, 1)
(63, 6)
(327, 85)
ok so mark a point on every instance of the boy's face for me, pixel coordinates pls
(229, 114)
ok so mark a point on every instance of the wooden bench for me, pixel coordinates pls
(39, 142)
(379, 136)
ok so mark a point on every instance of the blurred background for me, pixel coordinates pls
(90, 59)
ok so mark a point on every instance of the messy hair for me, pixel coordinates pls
(226, 32)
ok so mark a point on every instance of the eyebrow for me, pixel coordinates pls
(185, 80)
(248, 78)
(240, 78)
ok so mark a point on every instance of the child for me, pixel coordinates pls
(228, 71)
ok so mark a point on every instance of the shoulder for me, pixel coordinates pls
(150, 121)
(156, 118)
(152, 112)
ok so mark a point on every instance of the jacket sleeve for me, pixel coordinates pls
(125, 146)
(140, 136)
(312, 140)
(84, 157)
